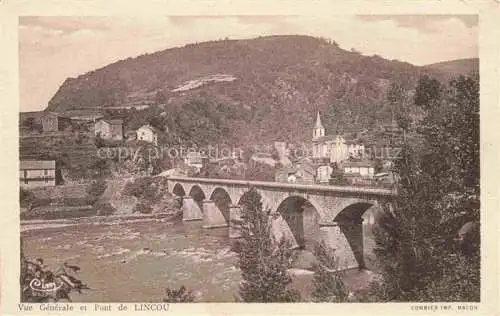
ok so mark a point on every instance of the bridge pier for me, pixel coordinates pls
(212, 216)
(191, 211)
(333, 236)
(281, 230)
(234, 221)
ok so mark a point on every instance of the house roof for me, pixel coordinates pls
(37, 164)
(288, 169)
(325, 138)
(149, 127)
(348, 139)
(357, 163)
(307, 168)
(112, 121)
(318, 122)
(54, 114)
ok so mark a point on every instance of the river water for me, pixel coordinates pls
(134, 261)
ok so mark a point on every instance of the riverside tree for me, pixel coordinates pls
(329, 286)
(421, 246)
(262, 260)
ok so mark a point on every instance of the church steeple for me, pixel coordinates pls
(319, 130)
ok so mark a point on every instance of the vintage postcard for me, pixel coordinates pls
(176, 158)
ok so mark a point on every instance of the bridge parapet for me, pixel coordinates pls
(344, 190)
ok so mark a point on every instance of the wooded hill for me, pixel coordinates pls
(268, 88)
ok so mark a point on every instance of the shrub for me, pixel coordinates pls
(96, 188)
(104, 208)
(178, 296)
(143, 208)
(38, 202)
(144, 188)
(79, 201)
(26, 198)
(63, 276)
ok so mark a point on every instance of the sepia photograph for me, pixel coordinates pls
(249, 159)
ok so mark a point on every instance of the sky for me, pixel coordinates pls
(52, 49)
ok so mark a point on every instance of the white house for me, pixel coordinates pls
(37, 173)
(148, 134)
(323, 173)
(109, 129)
(359, 168)
(195, 159)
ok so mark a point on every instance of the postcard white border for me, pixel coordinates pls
(489, 12)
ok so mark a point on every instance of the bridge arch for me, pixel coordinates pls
(178, 190)
(350, 222)
(222, 201)
(303, 220)
(198, 195)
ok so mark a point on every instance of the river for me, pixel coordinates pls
(134, 261)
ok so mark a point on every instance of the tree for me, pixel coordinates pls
(328, 283)
(420, 256)
(99, 141)
(96, 189)
(398, 99)
(262, 260)
(428, 92)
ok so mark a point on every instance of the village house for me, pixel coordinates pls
(148, 134)
(85, 116)
(363, 168)
(37, 173)
(285, 174)
(323, 174)
(195, 159)
(111, 129)
(300, 173)
(53, 122)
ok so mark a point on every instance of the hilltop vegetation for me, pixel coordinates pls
(241, 88)
(459, 66)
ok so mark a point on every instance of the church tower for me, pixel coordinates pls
(319, 130)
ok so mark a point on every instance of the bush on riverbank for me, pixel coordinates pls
(143, 208)
(96, 189)
(146, 188)
(104, 208)
(51, 213)
(178, 296)
(34, 275)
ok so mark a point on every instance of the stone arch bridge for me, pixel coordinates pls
(303, 214)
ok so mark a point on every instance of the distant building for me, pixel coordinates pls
(263, 158)
(195, 159)
(281, 148)
(365, 168)
(148, 134)
(37, 173)
(306, 173)
(53, 122)
(324, 173)
(286, 174)
(333, 148)
(85, 116)
(109, 129)
(303, 174)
